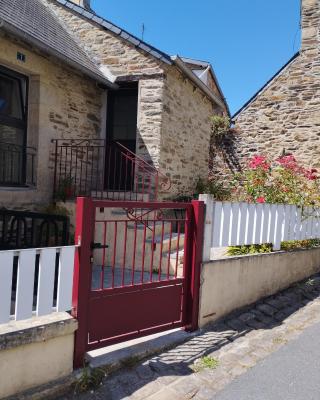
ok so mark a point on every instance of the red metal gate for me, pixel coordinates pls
(137, 270)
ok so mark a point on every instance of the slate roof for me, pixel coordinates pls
(33, 22)
(92, 16)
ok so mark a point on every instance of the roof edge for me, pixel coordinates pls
(278, 73)
(197, 81)
(133, 40)
(11, 29)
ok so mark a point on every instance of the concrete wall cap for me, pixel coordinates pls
(36, 329)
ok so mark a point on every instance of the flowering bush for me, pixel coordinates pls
(281, 180)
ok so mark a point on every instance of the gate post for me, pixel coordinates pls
(85, 217)
(197, 233)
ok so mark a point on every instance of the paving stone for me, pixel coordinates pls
(266, 309)
(166, 394)
(188, 385)
(275, 302)
(238, 342)
(237, 325)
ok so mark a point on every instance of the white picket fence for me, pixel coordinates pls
(18, 271)
(235, 224)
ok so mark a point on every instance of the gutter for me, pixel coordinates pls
(197, 81)
(11, 29)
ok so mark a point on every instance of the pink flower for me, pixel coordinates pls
(259, 162)
(288, 162)
(310, 174)
(261, 200)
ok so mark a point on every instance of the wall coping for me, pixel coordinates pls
(36, 329)
(274, 253)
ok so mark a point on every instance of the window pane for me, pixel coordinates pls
(10, 134)
(125, 118)
(11, 155)
(10, 97)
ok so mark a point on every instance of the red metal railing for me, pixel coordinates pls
(103, 170)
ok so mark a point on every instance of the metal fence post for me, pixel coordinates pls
(85, 217)
(197, 247)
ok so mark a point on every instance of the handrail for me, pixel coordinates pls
(156, 171)
(100, 169)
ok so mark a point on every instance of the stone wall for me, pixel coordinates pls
(173, 115)
(121, 59)
(185, 134)
(62, 104)
(285, 114)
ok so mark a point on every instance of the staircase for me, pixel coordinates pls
(149, 245)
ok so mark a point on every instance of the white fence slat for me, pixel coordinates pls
(286, 223)
(272, 223)
(258, 224)
(304, 224)
(278, 227)
(216, 224)
(309, 222)
(265, 223)
(46, 281)
(317, 227)
(243, 220)
(6, 269)
(25, 284)
(235, 211)
(226, 221)
(250, 224)
(66, 266)
(293, 221)
(298, 225)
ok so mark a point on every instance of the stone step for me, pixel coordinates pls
(166, 240)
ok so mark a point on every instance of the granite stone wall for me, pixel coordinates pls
(173, 115)
(62, 104)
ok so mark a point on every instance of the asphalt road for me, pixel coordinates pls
(291, 373)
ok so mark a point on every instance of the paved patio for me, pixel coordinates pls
(238, 343)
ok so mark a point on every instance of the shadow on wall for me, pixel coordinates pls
(224, 147)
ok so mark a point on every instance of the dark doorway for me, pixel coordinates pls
(122, 129)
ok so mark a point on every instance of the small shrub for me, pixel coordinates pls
(249, 249)
(216, 189)
(205, 362)
(267, 248)
(90, 379)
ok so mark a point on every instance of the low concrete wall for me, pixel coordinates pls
(34, 352)
(234, 282)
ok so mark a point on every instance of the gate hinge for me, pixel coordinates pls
(98, 246)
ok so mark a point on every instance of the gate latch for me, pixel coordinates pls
(98, 246)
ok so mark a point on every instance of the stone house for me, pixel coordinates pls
(73, 84)
(284, 115)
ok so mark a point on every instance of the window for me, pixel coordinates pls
(13, 128)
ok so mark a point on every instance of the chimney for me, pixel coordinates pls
(310, 24)
(82, 3)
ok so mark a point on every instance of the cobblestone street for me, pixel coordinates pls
(235, 345)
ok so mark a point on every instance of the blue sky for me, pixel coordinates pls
(246, 41)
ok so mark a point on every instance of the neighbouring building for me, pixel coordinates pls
(285, 113)
(80, 98)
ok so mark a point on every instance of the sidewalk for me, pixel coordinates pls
(235, 345)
